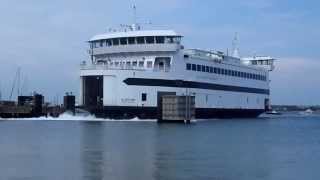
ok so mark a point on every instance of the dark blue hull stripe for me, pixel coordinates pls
(192, 84)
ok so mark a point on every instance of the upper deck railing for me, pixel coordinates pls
(135, 48)
(84, 66)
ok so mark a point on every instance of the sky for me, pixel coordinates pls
(47, 39)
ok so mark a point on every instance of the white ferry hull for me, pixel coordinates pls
(131, 71)
(129, 112)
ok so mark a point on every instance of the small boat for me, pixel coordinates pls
(308, 111)
(273, 112)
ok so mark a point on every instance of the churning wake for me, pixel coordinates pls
(81, 117)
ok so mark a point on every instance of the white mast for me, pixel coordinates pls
(135, 26)
(235, 47)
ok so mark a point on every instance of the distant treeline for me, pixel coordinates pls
(294, 108)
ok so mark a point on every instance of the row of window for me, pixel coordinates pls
(127, 64)
(135, 40)
(228, 72)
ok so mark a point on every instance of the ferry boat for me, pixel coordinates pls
(130, 70)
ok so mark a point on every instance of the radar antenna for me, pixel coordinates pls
(235, 46)
(134, 8)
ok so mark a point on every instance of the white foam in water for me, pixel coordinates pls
(70, 117)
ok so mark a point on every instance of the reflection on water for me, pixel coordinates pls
(270, 148)
(114, 151)
(92, 152)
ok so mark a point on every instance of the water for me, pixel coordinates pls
(283, 147)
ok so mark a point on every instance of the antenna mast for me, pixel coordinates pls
(134, 8)
(235, 46)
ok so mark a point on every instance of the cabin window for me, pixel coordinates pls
(211, 70)
(207, 69)
(141, 63)
(128, 64)
(134, 64)
(144, 97)
(150, 40)
(140, 40)
(198, 67)
(188, 66)
(159, 39)
(101, 43)
(149, 64)
(162, 63)
(194, 67)
(203, 68)
(115, 42)
(108, 42)
(123, 41)
(131, 40)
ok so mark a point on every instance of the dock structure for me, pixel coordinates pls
(178, 108)
(34, 106)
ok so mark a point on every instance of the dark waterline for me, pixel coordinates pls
(284, 147)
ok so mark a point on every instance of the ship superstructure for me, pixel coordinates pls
(130, 70)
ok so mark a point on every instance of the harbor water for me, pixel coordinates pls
(278, 147)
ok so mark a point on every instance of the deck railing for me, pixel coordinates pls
(123, 67)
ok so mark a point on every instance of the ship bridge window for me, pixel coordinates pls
(150, 40)
(131, 40)
(159, 39)
(123, 41)
(140, 40)
(108, 42)
(177, 40)
(101, 43)
(115, 42)
(169, 40)
(95, 44)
